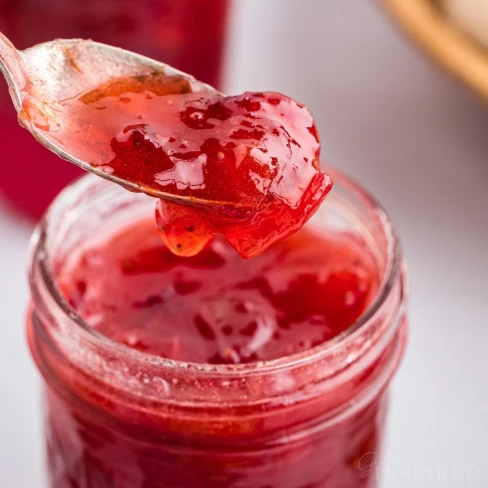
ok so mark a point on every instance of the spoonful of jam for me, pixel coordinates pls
(245, 166)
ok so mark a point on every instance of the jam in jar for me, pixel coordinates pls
(214, 371)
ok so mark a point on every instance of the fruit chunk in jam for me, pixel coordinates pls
(216, 307)
(248, 165)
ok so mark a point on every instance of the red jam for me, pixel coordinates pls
(121, 415)
(248, 166)
(216, 307)
(212, 308)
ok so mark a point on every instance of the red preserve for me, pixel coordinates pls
(246, 167)
(211, 370)
(170, 31)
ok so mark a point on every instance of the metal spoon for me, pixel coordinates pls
(48, 73)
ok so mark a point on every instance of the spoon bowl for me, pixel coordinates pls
(43, 76)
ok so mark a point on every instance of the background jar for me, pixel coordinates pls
(186, 34)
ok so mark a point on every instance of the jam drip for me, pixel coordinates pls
(247, 166)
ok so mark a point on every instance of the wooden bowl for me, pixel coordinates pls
(438, 35)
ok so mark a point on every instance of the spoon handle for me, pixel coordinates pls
(12, 69)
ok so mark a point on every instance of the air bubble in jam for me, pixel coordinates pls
(242, 324)
(247, 166)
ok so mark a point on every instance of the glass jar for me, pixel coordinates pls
(120, 418)
(188, 35)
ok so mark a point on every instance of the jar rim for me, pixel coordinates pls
(393, 270)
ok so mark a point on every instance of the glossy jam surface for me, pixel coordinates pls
(247, 165)
(216, 307)
(167, 30)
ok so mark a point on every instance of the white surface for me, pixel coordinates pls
(419, 142)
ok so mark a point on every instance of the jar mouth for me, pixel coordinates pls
(393, 270)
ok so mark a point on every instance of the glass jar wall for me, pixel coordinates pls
(122, 418)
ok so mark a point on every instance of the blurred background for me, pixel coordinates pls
(388, 116)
